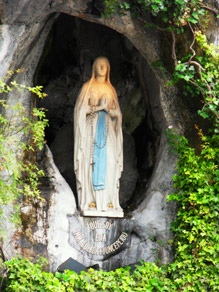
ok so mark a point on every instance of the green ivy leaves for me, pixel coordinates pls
(201, 74)
(196, 227)
(174, 13)
(21, 134)
(26, 276)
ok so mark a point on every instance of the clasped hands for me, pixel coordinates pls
(104, 103)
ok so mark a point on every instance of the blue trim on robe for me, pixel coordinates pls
(99, 156)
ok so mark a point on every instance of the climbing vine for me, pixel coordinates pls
(174, 14)
(201, 74)
(196, 228)
(21, 134)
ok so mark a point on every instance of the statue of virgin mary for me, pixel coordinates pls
(98, 146)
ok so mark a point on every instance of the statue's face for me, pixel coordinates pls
(101, 68)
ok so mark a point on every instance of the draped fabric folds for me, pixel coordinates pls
(84, 152)
(99, 155)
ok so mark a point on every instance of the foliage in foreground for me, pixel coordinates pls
(26, 276)
(196, 228)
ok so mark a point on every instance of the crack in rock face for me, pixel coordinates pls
(57, 47)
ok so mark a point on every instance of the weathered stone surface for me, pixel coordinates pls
(62, 149)
(61, 204)
(23, 35)
(130, 172)
(99, 238)
(133, 110)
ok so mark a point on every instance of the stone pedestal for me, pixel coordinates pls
(99, 238)
(109, 214)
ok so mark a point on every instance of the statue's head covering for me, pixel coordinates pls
(94, 68)
(93, 77)
(89, 84)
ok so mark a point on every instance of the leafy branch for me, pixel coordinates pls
(21, 135)
(203, 73)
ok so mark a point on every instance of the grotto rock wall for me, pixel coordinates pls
(25, 28)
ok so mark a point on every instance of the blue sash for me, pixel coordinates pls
(99, 156)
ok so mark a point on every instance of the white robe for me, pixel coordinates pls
(83, 157)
